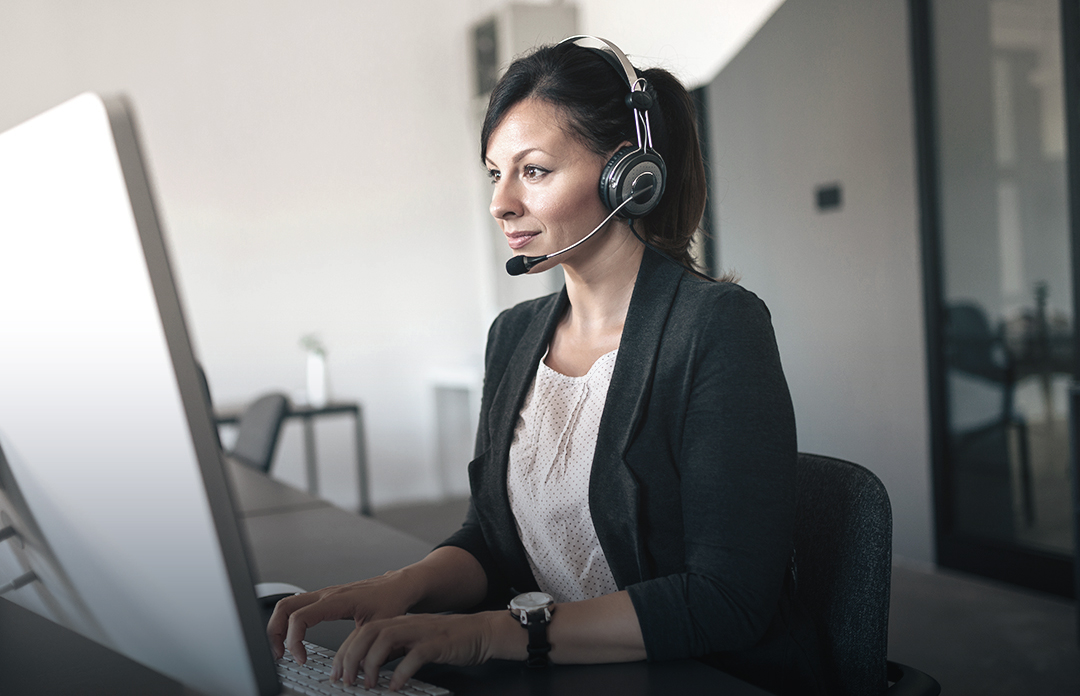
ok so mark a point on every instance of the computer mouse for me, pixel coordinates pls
(270, 593)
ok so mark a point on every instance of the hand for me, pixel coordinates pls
(456, 639)
(380, 597)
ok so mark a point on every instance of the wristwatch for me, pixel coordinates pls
(534, 610)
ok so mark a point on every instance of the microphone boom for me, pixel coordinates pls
(518, 265)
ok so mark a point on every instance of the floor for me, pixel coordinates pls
(976, 637)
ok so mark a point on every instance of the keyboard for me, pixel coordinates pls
(313, 678)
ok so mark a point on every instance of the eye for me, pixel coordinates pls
(494, 175)
(533, 172)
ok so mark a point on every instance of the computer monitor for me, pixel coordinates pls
(116, 519)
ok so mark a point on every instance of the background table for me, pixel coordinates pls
(308, 414)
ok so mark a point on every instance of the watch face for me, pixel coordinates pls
(531, 601)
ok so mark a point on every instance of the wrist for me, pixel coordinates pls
(506, 639)
(534, 610)
(412, 583)
(448, 579)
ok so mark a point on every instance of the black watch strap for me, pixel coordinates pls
(539, 647)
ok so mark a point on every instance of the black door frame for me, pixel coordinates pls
(1036, 569)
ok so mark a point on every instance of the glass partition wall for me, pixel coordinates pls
(992, 112)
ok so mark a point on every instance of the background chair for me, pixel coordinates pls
(258, 429)
(843, 553)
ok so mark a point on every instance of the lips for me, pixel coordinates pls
(516, 240)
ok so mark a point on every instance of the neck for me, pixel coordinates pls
(600, 287)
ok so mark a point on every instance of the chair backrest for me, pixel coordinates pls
(205, 383)
(257, 431)
(843, 554)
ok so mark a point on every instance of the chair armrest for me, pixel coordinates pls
(908, 681)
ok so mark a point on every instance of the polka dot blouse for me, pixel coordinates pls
(548, 481)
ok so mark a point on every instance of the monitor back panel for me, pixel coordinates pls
(109, 474)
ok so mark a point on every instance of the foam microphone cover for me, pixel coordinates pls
(516, 265)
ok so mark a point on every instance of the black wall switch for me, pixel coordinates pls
(828, 197)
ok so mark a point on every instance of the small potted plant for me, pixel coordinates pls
(317, 389)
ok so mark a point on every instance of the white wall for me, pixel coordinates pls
(823, 94)
(308, 162)
(692, 38)
(311, 161)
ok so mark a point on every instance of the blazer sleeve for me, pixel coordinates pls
(736, 459)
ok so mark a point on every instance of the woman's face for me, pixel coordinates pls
(545, 182)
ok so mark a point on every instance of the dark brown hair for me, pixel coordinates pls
(592, 94)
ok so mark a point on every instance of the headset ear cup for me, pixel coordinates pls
(619, 174)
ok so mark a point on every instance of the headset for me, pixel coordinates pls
(632, 172)
(633, 180)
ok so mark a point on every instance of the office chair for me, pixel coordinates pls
(205, 384)
(257, 428)
(257, 431)
(843, 555)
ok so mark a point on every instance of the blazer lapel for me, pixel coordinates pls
(613, 488)
(488, 473)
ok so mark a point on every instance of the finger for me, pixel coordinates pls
(355, 653)
(390, 642)
(347, 659)
(278, 625)
(299, 622)
(409, 665)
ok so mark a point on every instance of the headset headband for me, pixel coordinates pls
(639, 100)
(610, 49)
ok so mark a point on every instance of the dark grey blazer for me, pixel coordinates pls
(692, 485)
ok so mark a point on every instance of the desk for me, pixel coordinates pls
(308, 414)
(298, 538)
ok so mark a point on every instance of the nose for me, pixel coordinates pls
(505, 201)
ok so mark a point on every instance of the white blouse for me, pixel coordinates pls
(548, 481)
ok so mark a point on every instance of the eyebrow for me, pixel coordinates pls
(519, 156)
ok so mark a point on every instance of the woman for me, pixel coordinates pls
(636, 444)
